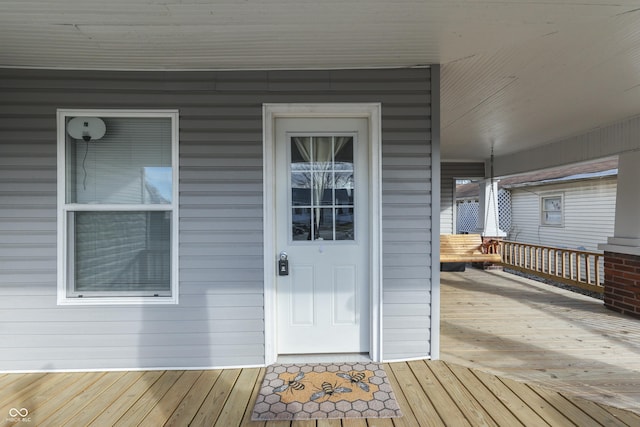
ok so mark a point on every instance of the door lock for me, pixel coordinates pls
(283, 264)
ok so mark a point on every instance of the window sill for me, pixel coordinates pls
(93, 301)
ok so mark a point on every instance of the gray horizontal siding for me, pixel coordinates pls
(449, 173)
(219, 321)
(589, 214)
(406, 232)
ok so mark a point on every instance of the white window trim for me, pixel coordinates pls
(543, 197)
(63, 208)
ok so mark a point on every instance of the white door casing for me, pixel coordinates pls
(331, 301)
(322, 224)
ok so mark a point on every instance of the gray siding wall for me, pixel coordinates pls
(449, 173)
(219, 321)
(589, 214)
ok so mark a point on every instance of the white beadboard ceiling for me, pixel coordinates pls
(515, 73)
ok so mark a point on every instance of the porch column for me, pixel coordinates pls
(488, 214)
(622, 251)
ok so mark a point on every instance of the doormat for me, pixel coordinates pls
(325, 390)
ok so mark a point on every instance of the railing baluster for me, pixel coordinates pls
(521, 255)
(564, 265)
(579, 267)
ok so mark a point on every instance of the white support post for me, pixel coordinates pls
(626, 238)
(488, 215)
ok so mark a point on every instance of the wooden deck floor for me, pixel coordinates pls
(525, 330)
(430, 393)
(515, 353)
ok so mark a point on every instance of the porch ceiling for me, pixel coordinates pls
(516, 74)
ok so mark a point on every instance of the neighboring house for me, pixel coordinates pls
(571, 207)
(145, 217)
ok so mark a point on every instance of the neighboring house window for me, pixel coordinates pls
(551, 209)
(117, 207)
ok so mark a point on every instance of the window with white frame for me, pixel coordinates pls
(117, 206)
(551, 210)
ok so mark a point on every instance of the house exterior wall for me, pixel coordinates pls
(219, 320)
(589, 214)
(450, 172)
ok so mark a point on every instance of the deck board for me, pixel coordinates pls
(465, 397)
(150, 398)
(64, 390)
(430, 393)
(493, 406)
(239, 398)
(600, 415)
(511, 400)
(507, 361)
(88, 392)
(246, 418)
(412, 395)
(441, 400)
(543, 408)
(101, 398)
(123, 400)
(626, 417)
(188, 407)
(213, 404)
(528, 331)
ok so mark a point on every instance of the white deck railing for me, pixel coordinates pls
(582, 269)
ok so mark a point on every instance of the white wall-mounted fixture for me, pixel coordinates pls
(86, 128)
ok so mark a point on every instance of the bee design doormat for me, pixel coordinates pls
(325, 390)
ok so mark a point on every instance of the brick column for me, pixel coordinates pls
(622, 251)
(622, 288)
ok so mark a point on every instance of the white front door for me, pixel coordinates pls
(322, 223)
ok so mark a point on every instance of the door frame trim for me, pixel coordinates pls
(373, 113)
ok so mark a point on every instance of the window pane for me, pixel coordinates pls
(301, 153)
(323, 188)
(301, 189)
(552, 218)
(552, 204)
(344, 153)
(322, 153)
(344, 224)
(130, 164)
(301, 224)
(324, 222)
(344, 188)
(122, 251)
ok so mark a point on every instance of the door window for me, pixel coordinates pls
(322, 187)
